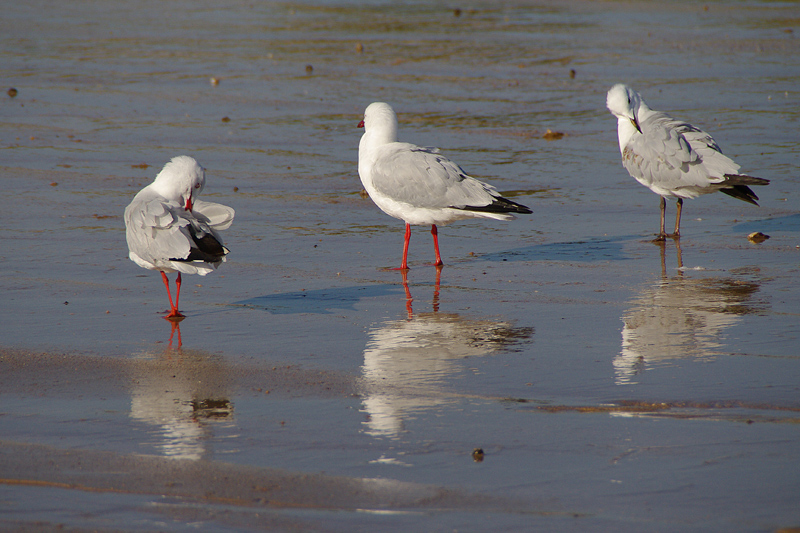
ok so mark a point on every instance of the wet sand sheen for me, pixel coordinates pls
(227, 493)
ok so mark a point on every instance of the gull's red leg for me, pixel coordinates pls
(173, 313)
(435, 233)
(404, 266)
(177, 290)
(169, 295)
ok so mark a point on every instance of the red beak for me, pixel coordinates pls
(361, 124)
(189, 204)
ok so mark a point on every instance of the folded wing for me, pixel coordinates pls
(671, 156)
(423, 178)
(161, 234)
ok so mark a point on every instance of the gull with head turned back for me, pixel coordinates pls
(419, 185)
(168, 229)
(671, 157)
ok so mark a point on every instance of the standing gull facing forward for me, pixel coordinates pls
(671, 157)
(169, 230)
(418, 185)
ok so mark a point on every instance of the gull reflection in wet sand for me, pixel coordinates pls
(175, 324)
(680, 317)
(407, 362)
(181, 395)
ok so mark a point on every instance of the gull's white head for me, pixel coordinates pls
(182, 180)
(380, 122)
(624, 103)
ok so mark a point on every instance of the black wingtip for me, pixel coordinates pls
(499, 205)
(736, 185)
(741, 192)
(205, 248)
(744, 179)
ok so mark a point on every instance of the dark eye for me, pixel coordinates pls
(197, 186)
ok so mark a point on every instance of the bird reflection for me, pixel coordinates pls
(181, 395)
(407, 362)
(175, 324)
(409, 299)
(680, 317)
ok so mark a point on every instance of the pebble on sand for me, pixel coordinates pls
(551, 135)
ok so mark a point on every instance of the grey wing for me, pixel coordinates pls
(715, 163)
(154, 230)
(219, 217)
(424, 178)
(673, 155)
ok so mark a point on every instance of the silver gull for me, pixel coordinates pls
(168, 229)
(672, 157)
(419, 185)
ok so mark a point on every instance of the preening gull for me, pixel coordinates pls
(419, 185)
(671, 157)
(170, 230)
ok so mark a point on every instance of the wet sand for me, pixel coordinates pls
(612, 384)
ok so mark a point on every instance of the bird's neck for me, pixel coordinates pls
(167, 190)
(644, 112)
(385, 135)
(372, 140)
(625, 131)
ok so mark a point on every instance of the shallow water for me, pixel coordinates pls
(613, 384)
